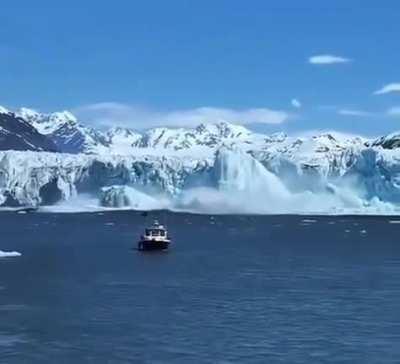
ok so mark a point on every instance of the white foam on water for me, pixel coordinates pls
(11, 340)
(10, 254)
(80, 203)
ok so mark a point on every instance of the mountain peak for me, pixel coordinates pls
(120, 131)
(29, 115)
(223, 129)
(4, 110)
(18, 134)
(63, 117)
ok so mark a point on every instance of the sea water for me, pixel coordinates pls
(232, 289)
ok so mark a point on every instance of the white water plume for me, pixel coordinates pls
(244, 185)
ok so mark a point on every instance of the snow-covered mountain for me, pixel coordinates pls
(17, 134)
(217, 167)
(121, 140)
(72, 136)
(210, 136)
(65, 131)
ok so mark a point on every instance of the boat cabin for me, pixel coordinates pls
(155, 238)
(155, 232)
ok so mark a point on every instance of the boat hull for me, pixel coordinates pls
(145, 245)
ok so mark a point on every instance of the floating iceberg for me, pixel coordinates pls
(9, 254)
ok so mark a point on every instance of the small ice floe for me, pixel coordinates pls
(331, 223)
(394, 221)
(347, 231)
(363, 231)
(309, 221)
(109, 223)
(9, 254)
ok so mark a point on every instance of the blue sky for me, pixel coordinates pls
(138, 62)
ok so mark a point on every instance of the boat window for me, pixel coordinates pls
(155, 232)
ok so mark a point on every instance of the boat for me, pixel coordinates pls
(155, 237)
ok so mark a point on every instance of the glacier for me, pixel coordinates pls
(229, 180)
(213, 168)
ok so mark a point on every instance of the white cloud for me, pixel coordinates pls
(325, 59)
(114, 113)
(354, 112)
(296, 103)
(391, 87)
(335, 133)
(394, 111)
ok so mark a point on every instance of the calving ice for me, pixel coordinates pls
(217, 167)
(200, 131)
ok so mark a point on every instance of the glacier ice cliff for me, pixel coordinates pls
(211, 168)
(358, 179)
(32, 179)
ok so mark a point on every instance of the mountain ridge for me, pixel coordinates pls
(18, 134)
(72, 136)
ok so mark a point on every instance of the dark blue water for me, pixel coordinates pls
(232, 289)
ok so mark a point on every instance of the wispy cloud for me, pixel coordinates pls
(326, 59)
(394, 111)
(296, 103)
(354, 112)
(114, 113)
(391, 87)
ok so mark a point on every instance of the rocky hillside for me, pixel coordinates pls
(17, 134)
